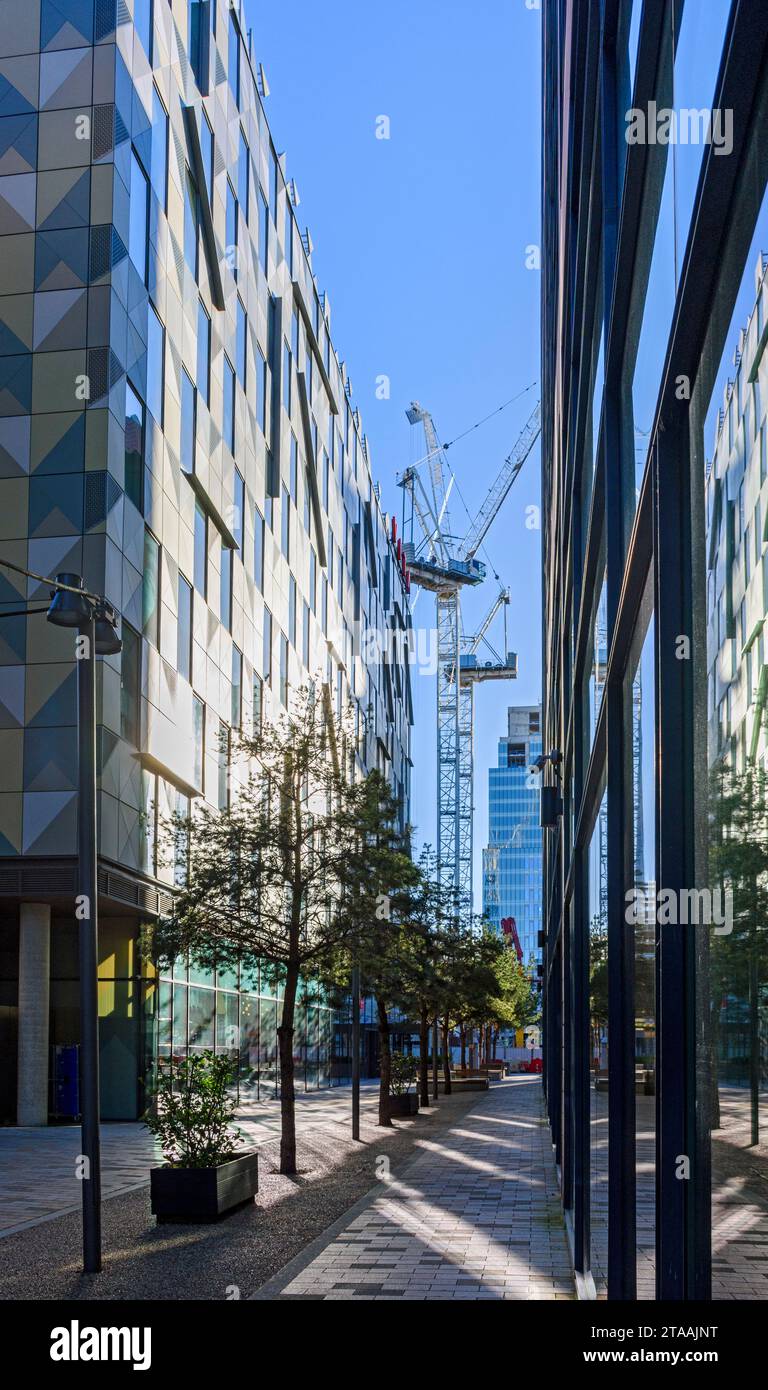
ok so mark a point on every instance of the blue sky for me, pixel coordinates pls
(420, 242)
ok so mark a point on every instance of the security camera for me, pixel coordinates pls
(540, 763)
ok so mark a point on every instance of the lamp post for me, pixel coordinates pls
(94, 620)
(356, 1052)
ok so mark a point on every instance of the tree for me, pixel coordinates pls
(420, 968)
(268, 876)
(378, 881)
(515, 1004)
(738, 860)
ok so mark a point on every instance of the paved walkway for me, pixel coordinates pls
(475, 1216)
(38, 1166)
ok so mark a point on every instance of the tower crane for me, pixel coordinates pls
(444, 565)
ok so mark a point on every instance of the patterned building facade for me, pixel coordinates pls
(176, 426)
(512, 859)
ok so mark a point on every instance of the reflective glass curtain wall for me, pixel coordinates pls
(645, 241)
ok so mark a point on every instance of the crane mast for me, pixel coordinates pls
(444, 567)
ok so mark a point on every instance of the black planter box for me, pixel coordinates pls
(203, 1194)
(404, 1105)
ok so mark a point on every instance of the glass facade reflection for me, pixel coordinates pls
(655, 577)
(512, 859)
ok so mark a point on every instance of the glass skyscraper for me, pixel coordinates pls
(512, 860)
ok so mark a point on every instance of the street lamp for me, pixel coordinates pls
(96, 624)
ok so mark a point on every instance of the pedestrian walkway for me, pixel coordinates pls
(475, 1216)
(38, 1167)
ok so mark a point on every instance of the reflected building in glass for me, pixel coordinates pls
(655, 594)
(512, 858)
(177, 426)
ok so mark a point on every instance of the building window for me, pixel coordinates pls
(266, 654)
(201, 550)
(258, 702)
(258, 548)
(324, 606)
(138, 218)
(230, 229)
(188, 423)
(261, 388)
(326, 478)
(292, 611)
(238, 510)
(191, 221)
(184, 630)
(228, 425)
(225, 593)
(243, 166)
(240, 341)
(287, 378)
(223, 759)
(307, 504)
(130, 685)
(198, 742)
(294, 468)
(312, 580)
(155, 366)
(198, 41)
(150, 591)
(285, 525)
(233, 59)
(207, 147)
(305, 635)
(134, 447)
(263, 232)
(283, 669)
(142, 19)
(158, 171)
(203, 352)
(237, 687)
(288, 233)
(273, 183)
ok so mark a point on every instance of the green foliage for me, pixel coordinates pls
(193, 1112)
(404, 1071)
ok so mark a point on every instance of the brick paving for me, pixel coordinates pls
(38, 1166)
(475, 1216)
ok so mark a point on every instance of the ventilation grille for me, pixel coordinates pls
(103, 131)
(104, 370)
(102, 492)
(104, 18)
(107, 251)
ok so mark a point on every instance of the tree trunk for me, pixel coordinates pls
(423, 1058)
(446, 1058)
(463, 1036)
(494, 1042)
(385, 1064)
(287, 1092)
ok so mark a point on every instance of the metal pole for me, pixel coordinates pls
(356, 1052)
(87, 906)
(434, 1057)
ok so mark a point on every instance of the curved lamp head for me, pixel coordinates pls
(107, 641)
(68, 609)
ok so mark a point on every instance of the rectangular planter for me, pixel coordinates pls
(203, 1194)
(465, 1083)
(400, 1106)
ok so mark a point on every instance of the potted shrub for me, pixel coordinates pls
(402, 1100)
(203, 1177)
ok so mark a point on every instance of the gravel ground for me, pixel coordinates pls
(234, 1257)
